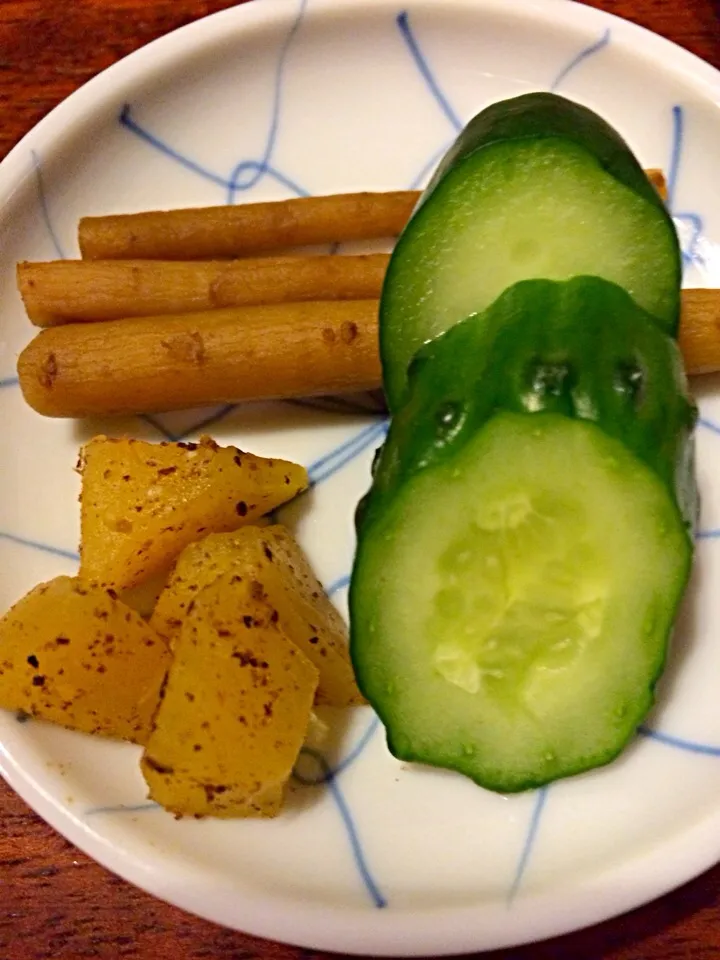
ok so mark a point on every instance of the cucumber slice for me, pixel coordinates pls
(582, 348)
(534, 187)
(511, 605)
(527, 537)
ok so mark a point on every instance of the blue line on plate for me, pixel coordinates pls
(210, 420)
(359, 747)
(689, 248)
(709, 425)
(44, 208)
(707, 535)
(247, 173)
(122, 808)
(338, 584)
(329, 464)
(341, 448)
(259, 168)
(160, 427)
(9, 382)
(327, 771)
(690, 746)
(328, 777)
(530, 838)
(38, 545)
(581, 57)
(127, 121)
(264, 170)
(403, 22)
(357, 850)
(675, 153)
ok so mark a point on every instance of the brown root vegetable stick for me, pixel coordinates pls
(173, 363)
(67, 291)
(699, 335)
(73, 291)
(205, 233)
(248, 353)
(657, 179)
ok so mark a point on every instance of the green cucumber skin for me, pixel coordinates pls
(540, 115)
(533, 116)
(581, 348)
(530, 354)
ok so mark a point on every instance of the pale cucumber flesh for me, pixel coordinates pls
(522, 599)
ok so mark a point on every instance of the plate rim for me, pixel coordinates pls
(312, 925)
(157, 52)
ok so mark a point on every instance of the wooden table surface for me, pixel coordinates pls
(54, 902)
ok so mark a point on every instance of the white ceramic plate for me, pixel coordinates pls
(261, 102)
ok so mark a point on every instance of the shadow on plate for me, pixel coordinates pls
(684, 636)
(225, 422)
(324, 755)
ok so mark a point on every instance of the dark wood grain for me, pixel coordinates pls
(55, 902)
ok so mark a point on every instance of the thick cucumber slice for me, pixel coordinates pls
(582, 348)
(534, 187)
(512, 603)
(527, 537)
